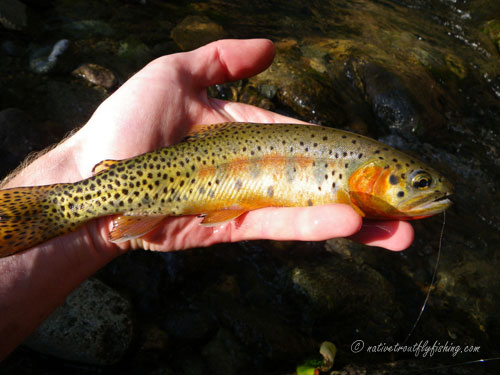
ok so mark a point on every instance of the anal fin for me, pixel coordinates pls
(126, 228)
(214, 218)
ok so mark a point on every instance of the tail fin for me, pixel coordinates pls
(27, 218)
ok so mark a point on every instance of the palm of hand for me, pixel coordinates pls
(157, 106)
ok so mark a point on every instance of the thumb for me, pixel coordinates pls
(228, 60)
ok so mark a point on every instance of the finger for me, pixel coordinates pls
(297, 223)
(392, 235)
(289, 223)
(228, 60)
(233, 111)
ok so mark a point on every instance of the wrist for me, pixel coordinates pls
(52, 165)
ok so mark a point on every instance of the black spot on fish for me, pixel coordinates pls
(401, 194)
(393, 179)
(309, 202)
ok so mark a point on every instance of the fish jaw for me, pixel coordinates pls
(426, 207)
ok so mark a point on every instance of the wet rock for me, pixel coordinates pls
(13, 14)
(19, 136)
(196, 31)
(244, 93)
(354, 292)
(267, 333)
(152, 344)
(190, 363)
(492, 29)
(93, 326)
(96, 74)
(189, 325)
(301, 85)
(138, 53)
(392, 104)
(44, 59)
(225, 355)
(144, 275)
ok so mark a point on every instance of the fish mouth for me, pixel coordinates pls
(428, 206)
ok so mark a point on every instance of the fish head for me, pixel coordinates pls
(403, 189)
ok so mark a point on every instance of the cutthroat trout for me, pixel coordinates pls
(222, 171)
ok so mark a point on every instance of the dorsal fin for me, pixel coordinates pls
(103, 166)
(202, 131)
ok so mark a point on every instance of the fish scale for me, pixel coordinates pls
(222, 171)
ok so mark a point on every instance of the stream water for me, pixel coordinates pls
(423, 76)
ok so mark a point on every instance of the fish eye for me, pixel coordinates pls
(421, 180)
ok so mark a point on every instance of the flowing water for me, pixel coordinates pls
(420, 75)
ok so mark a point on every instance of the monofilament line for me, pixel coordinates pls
(432, 281)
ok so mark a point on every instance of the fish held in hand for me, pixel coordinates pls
(220, 172)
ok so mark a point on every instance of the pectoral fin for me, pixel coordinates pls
(211, 219)
(343, 197)
(126, 228)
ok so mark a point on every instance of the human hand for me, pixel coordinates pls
(157, 106)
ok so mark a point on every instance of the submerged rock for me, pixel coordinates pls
(44, 59)
(225, 355)
(96, 74)
(93, 326)
(196, 31)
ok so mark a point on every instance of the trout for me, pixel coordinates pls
(221, 171)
